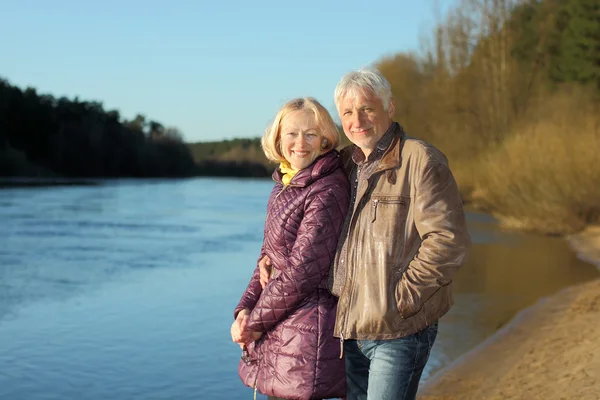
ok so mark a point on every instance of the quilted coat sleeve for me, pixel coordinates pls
(252, 292)
(309, 260)
(440, 221)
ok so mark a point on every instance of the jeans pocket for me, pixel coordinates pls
(427, 335)
(433, 327)
(431, 334)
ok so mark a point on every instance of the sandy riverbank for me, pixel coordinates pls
(549, 351)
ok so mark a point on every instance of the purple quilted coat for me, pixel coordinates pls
(297, 356)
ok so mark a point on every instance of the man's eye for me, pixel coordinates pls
(347, 113)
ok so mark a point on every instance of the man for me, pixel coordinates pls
(404, 238)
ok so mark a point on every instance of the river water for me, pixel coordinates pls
(125, 290)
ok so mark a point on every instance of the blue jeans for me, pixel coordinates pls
(387, 369)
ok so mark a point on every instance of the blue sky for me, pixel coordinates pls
(215, 69)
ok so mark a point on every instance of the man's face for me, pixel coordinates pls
(364, 119)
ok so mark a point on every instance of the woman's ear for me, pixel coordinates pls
(324, 144)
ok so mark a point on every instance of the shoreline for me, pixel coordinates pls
(7, 183)
(550, 350)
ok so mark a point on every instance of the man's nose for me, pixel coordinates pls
(357, 118)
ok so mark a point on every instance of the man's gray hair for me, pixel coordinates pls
(363, 81)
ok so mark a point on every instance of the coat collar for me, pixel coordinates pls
(391, 158)
(323, 165)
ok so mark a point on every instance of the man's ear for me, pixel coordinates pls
(392, 108)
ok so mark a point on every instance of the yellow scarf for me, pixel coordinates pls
(288, 172)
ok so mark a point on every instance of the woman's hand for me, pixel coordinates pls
(239, 334)
(238, 328)
(265, 267)
(253, 337)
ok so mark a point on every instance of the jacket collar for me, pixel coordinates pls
(323, 165)
(392, 157)
(389, 160)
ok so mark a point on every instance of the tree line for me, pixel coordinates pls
(48, 137)
(510, 90)
(41, 135)
(236, 157)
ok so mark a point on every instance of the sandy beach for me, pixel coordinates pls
(550, 350)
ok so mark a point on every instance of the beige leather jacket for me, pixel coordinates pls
(406, 239)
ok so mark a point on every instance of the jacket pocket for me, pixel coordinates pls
(388, 217)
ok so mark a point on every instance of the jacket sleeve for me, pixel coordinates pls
(309, 260)
(253, 291)
(440, 221)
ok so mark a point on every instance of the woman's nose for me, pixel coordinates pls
(301, 139)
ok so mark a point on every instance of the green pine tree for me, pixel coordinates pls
(577, 55)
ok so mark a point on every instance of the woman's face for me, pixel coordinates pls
(300, 138)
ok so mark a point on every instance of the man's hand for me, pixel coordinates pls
(265, 268)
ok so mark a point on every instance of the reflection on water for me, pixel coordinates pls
(126, 290)
(505, 273)
(587, 245)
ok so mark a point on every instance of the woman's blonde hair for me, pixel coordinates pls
(271, 140)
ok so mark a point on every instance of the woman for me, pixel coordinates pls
(286, 330)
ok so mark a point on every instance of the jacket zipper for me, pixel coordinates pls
(256, 378)
(347, 311)
(281, 191)
(375, 202)
(350, 229)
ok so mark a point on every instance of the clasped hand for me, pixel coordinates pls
(239, 332)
